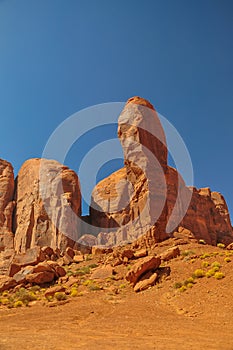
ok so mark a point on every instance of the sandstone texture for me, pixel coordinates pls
(6, 204)
(132, 200)
(142, 266)
(47, 202)
(147, 200)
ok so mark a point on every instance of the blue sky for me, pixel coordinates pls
(60, 56)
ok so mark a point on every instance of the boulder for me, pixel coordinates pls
(142, 266)
(32, 256)
(140, 253)
(102, 272)
(170, 253)
(40, 277)
(146, 283)
(6, 283)
(230, 246)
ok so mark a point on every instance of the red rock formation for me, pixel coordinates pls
(45, 194)
(6, 204)
(145, 201)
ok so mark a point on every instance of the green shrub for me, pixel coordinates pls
(92, 266)
(87, 282)
(205, 264)
(210, 273)
(25, 296)
(205, 255)
(60, 296)
(94, 286)
(4, 301)
(202, 241)
(189, 280)
(74, 292)
(221, 245)
(178, 285)
(198, 273)
(216, 264)
(219, 275)
(83, 271)
(182, 289)
(18, 303)
(187, 253)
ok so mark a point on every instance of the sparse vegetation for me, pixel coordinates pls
(219, 275)
(60, 296)
(221, 245)
(187, 253)
(178, 285)
(227, 259)
(205, 264)
(202, 241)
(198, 273)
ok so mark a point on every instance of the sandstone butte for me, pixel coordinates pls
(134, 204)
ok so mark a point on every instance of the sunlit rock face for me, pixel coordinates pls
(146, 200)
(48, 202)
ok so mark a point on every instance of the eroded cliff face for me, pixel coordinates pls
(47, 193)
(134, 198)
(146, 201)
(6, 204)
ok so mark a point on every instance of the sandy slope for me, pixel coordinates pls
(158, 318)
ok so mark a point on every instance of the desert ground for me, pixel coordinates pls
(199, 316)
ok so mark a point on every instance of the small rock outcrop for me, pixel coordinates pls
(47, 196)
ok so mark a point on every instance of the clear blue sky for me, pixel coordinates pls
(59, 56)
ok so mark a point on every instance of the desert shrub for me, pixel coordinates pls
(74, 292)
(219, 275)
(182, 289)
(88, 257)
(178, 285)
(227, 259)
(189, 280)
(4, 301)
(92, 266)
(122, 286)
(83, 271)
(87, 282)
(198, 273)
(94, 286)
(187, 253)
(69, 273)
(221, 245)
(216, 264)
(18, 303)
(35, 288)
(205, 255)
(210, 273)
(202, 241)
(205, 264)
(60, 296)
(5, 293)
(189, 285)
(25, 296)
